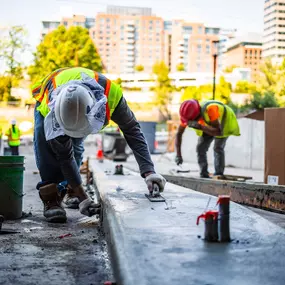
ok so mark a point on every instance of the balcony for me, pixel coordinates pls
(130, 35)
(130, 28)
(130, 41)
(130, 47)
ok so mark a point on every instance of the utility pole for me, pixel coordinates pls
(215, 55)
(214, 77)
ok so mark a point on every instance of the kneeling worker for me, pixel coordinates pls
(212, 120)
(71, 104)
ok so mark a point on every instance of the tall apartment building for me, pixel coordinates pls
(245, 54)
(128, 36)
(190, 44)
(274, 30)
(76, 20)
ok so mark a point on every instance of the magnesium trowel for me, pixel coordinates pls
(154, 195)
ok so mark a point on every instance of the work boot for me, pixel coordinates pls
(53, 211)
(70, 200)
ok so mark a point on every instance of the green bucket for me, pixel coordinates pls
(11, 186)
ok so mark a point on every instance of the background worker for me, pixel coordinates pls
(212, 121)
(71, 104)
(13, 134)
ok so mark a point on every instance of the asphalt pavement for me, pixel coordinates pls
(37, 254)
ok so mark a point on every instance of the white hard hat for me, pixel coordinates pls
(72, 105)
(13, 122)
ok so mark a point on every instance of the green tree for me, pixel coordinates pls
(12, 46)
(163, 89)
(243, 86)
(260, 101)
(229, 69)
(180, 67)
(64, 47)
(223, 91)
(192, 92)
(139, 68)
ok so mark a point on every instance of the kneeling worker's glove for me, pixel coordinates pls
(155, 178)
(178, 160)
(88, 208)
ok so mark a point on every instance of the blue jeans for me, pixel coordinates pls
(46, 161)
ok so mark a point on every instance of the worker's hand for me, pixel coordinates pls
(194, 125)
(178, 160)
(88, 208)
(153, 178)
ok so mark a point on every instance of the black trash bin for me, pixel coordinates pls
(149, 129)
(114, 146)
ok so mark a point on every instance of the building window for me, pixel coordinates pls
(198, 66)
(199, 48)
(102, 20)
(208, 49)
(187, 30)
(200, 30)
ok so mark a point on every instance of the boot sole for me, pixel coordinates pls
(71, 206)
(57, 219)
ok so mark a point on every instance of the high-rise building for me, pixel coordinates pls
(190, 45)
(274, 30)
(76, 20)
(126, 37)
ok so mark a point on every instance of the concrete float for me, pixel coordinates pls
(159, 243)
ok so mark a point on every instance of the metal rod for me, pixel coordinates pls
(214, 77)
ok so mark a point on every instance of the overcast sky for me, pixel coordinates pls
(244, 15)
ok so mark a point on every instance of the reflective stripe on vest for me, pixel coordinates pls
(39, 88)
(112, 91)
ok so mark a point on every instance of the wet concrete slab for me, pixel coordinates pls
(36, 255)
(159, 243)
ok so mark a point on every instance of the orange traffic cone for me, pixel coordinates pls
(100, 155)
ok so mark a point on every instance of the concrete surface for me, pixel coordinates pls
(245, 151)
(159, 243)
(38, 256)
(165, 164)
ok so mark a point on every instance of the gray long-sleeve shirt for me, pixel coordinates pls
(125, 119)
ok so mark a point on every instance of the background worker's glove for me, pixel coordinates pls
(178, 160)
(194, 125)
(155, 178)
(88, 208)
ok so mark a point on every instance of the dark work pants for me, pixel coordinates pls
(14, 150)
(203, 145)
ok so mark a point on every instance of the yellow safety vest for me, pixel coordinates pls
(43, 89)
(13, 136)
(228, 119)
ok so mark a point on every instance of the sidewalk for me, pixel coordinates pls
(38, 256)
(164, 163)
(160, 243)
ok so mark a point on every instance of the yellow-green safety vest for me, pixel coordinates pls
(228, 119)
(13, 136)
(42, 90)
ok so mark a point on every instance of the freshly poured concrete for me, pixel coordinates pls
(159, 243)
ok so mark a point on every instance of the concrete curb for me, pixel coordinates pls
(111, 222)
(263, 196)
